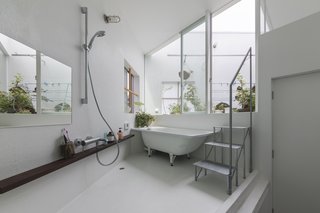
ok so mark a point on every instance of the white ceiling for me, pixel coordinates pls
(153, 22)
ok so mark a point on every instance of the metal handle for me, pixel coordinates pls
(91, 140)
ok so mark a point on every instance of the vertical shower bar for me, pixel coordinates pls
(84, 10)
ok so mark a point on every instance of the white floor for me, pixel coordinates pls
(140, 184)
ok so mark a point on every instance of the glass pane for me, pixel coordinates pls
(194, 70)
(17, 77)
(170, 90)
(163, 67)
(171, 106)
(171, 98)
(264, 18)
(233, 34)
(55, 86)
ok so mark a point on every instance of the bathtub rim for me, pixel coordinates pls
(202, 132)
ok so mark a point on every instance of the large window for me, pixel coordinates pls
(233, 33)
(179, 78)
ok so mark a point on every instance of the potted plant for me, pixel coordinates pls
(243, 95)
(62, 107)
(220, 107)
(144, 119)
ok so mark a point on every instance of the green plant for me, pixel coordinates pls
(5, 103)
(221, 106)
(192, 96)
(62, 107)
(17, 100)
(176, 108)
(138, 104)
(144, 119)
(243, 95)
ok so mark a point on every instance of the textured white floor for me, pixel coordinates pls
(151, 185)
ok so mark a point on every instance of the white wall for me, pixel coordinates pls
(289, 50)
(55, 28)
(3, 73)
(298, 10)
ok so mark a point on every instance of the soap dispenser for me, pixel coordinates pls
(110, 137)
(120, 134)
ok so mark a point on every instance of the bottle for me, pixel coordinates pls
(120, 134)
(110, 137)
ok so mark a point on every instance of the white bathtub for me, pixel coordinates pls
(174, 141)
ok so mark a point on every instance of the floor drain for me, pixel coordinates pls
(121, 168)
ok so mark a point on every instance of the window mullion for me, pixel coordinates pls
(208, 61)
(38, 82)
(181, 77)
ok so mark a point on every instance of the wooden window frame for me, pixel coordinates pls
(129, 88)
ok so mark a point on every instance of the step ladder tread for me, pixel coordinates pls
(233, 127)
(221, 144)
(213, 166)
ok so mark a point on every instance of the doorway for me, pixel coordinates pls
(296, 143)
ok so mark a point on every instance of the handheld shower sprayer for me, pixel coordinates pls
(100, 33)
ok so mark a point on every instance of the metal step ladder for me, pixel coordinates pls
(231, 169)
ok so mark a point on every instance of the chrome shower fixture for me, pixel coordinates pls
(84, 10)
(90, 140)
(100, 33)
(87, 46)
(111, 19)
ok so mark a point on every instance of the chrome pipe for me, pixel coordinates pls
(84, 10)
(91, 140)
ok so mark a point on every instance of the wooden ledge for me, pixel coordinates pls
(33, 174)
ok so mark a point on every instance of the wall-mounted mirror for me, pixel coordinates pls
(34, 88)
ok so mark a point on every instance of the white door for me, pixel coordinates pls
(296, 144)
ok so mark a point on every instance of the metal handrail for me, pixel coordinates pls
(249, 54)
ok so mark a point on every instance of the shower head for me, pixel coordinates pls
(97, 34)
(111, 19)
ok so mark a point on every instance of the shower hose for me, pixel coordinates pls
(105, 121)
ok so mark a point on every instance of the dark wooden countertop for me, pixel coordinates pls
(30, 175)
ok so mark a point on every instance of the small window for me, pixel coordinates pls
(131, 89)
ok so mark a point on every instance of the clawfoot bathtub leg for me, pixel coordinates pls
(149, 152)
(188, 156)
(172, 157)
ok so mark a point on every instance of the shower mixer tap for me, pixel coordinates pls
(88, 140)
